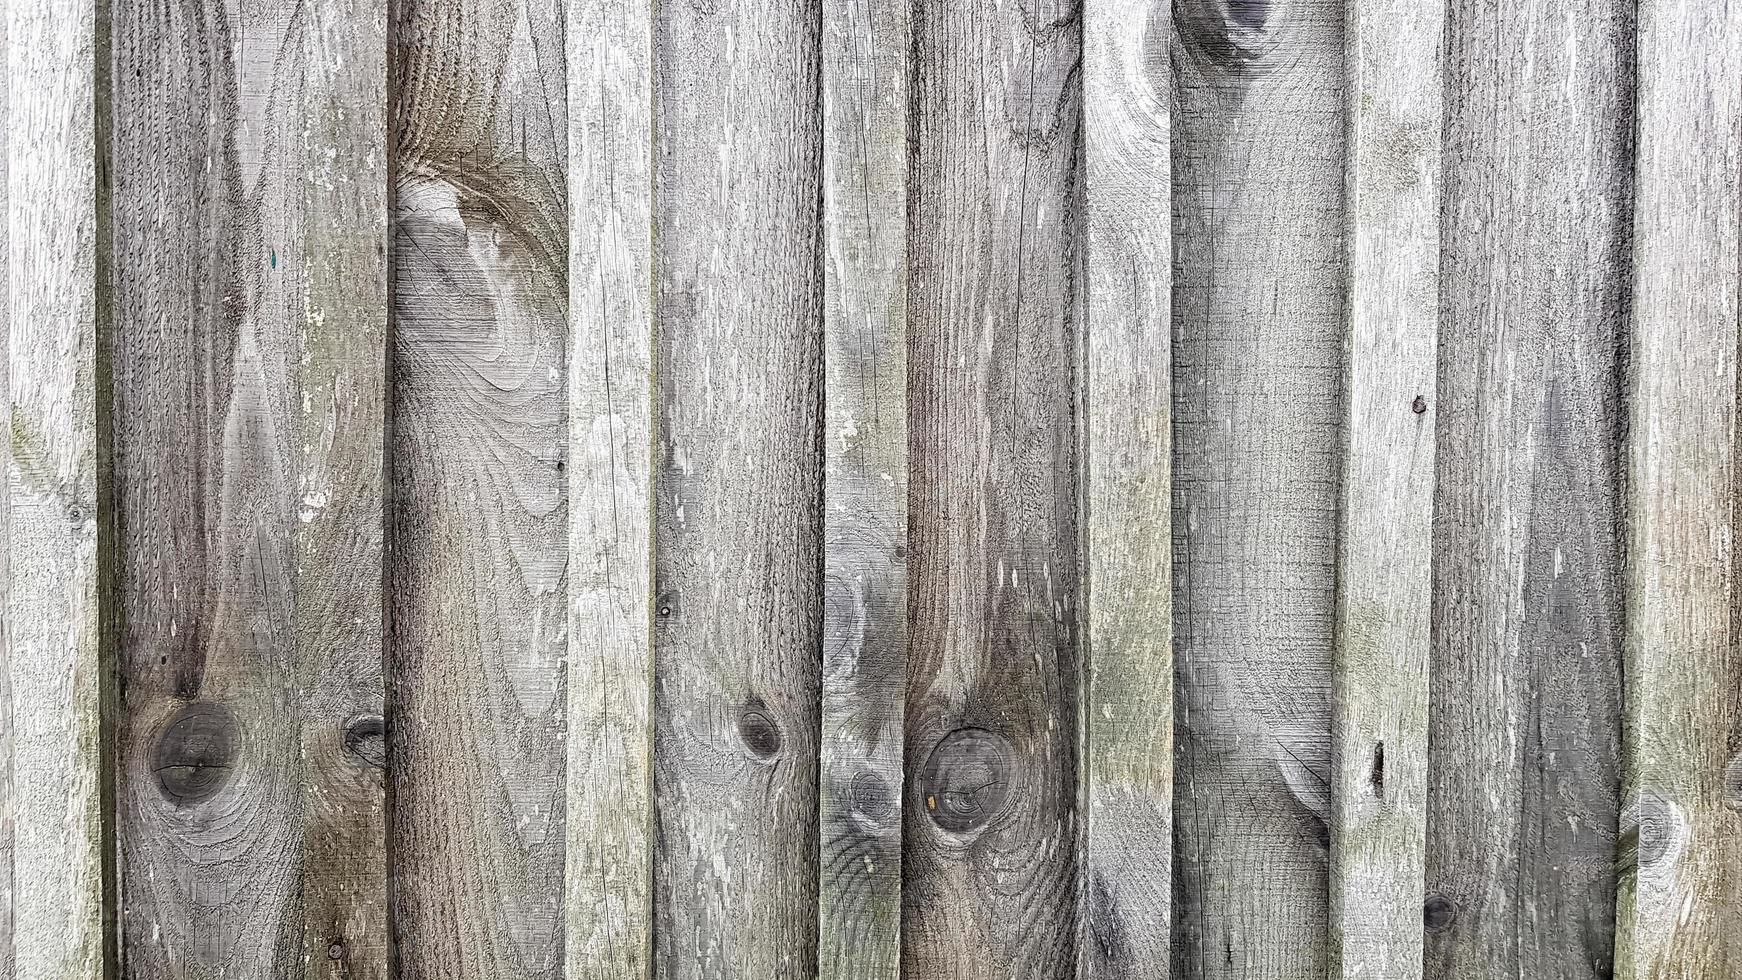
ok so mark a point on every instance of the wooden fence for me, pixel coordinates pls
(952, 489)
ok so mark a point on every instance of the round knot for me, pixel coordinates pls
(966, 780)
(195, 752)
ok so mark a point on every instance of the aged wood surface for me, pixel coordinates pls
(1126, 422)
(738, 522)
(1385, 545)
(480, 522)
(990, 856)
(865, 55)
(1258, 220)
(608, 875)
(57, 677)
(1683, 781)
(7, 965)
(249, 271)
(1526, 674)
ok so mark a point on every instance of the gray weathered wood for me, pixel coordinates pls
(1684, 672)
(608, 890)
(480, 514)
(1526, 675)
(1127, 508)
(990, 856)
(1258, 222)
(1385, 539)
(57, 674)
(866, 49)
(738, 523)
(250, 277)
(7, 966)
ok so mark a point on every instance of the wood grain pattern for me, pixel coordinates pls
(7, 964)
(54, 533)
(480, 496)
(1385, 546)
(249, 237)
(990, 855)
(1258, 230)
(1526, 674)
(608, 893)
(1684, 671)
(866, 49)
(738, 522)
(1126, 419)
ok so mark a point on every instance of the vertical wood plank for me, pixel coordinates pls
(7, 964)
(1258, 231)
(608, 892)
(1526, 674)
(1684, 671)
(1385, 546)
(866, 49)
(991, 834)
(53, 557)
(738, 522)
(1127, 511)
(250, 278)
(480, 513)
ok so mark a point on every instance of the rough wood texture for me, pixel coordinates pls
(608, 892)
(1684, 671)
(249, 236)
(990, 855)
(866, 49)
(7, 965)
(738, 522)
(54, 388)
(480, 516)
(1526, 675)
(1258, 222)
(1385, 547)
(1127, 779)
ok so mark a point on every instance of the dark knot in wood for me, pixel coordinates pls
(1438, 912)
(1419, 405)
(871, 797)
(758, 730)
(196, 752)
(966, 779)
(366, 740)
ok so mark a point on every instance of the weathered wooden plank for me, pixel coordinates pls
(608, 892)
(737, 517)
(250, 277)
(991, 834)
(1258, 229)
(1526, 673)
(7, 964)
(1684, 672)
(866, 49)
(1385, 547)
(481, 522)
(1127, 781)
(57, 687)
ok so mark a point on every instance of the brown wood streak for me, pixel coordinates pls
(738, 613)
(990, 860)
(1526, 673)
(248, 228)
(480, 514)
(1258, 165)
